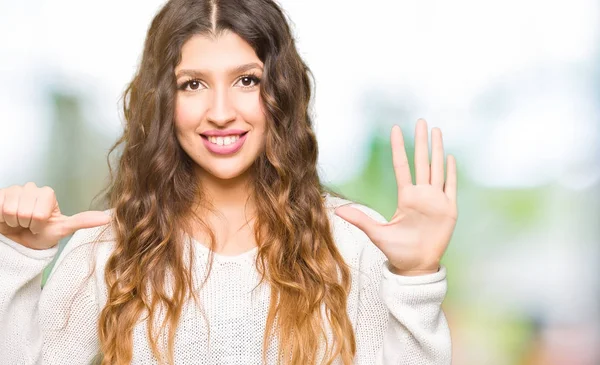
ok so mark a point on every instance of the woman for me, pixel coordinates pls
(221, 245)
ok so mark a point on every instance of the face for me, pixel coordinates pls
(219, 119)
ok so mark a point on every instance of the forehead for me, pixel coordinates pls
(216, 53)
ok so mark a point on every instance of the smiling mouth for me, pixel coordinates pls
(223, 140)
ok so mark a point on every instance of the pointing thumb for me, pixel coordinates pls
(88, 219)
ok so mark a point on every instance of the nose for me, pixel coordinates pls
(221, 110)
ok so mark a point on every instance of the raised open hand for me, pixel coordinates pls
(416, 237)
(31, 217)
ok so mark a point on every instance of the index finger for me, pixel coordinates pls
(42, 211)
(399, 159)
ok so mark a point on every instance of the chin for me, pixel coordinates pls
(225, 172)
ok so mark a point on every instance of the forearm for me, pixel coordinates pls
(417, 331)
(21, 271)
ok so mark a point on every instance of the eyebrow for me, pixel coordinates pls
(235, 70)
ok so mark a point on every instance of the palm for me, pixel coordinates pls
(416, 237)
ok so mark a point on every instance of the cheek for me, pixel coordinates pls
(187, 113)
(252, 110)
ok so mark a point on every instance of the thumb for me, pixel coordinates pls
(358, 218)
(88, 219)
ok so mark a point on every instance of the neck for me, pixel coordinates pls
(228, 208)
(229, 196)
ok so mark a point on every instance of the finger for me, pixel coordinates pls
(450, 186)
(2, 194)
(437, 159)
(421, 153)
(359, 219)
(84, 220)
(399, 159)
(11, 206)
(42, 211)
(26, 204)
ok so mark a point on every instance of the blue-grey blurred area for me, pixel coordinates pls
(514, 86)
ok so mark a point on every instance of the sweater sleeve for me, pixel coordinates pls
(56, 324)
(399, 320)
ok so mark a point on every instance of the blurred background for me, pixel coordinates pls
(514, 85)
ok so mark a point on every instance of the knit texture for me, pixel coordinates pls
(397, 319)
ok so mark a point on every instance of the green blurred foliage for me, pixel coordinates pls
(76, 167)
(487, 217)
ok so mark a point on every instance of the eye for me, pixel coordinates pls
(194, 85)
(248, 81)
(191, 85)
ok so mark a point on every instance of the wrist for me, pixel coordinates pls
(413, 272)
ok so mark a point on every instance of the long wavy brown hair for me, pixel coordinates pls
(154, 192)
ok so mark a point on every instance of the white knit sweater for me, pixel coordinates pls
(396, 319)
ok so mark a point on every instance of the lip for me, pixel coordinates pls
(222, 133)
(225, 150)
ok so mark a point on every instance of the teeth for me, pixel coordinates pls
(223, 141)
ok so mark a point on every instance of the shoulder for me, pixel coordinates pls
(88, 245)
(76, 282)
